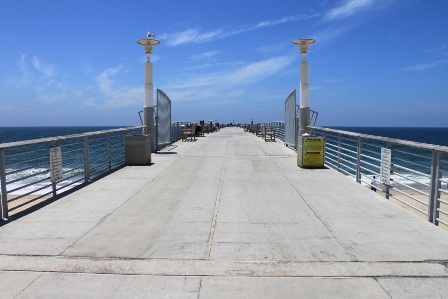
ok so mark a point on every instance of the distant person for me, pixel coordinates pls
(373, 184)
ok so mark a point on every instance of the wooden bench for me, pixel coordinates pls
(200, 131)
(254, 128)
(205, 129)
(189, 132)
(268, 133)
(258, 130)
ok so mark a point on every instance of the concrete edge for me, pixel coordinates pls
(167, 267)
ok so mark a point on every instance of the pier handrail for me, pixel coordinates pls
(419, 170)
(420, 145)
(25, 174)
(65, 137)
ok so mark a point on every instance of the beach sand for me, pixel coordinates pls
(31, 199)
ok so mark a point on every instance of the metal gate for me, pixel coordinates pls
(291, 120)
(163, 120)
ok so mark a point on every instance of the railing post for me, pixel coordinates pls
(124, 144)
(3, 191)
(434, 193)
(53, 184)
(109, 152)
(324, 135)
(176, 131)
(339, 152)
(386, 187)
(358, 161)
(86, 160)
(155, 146)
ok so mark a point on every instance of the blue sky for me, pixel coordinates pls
(374, 63)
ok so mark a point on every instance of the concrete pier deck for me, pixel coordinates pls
(226, 216)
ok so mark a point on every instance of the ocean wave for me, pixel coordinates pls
(408, 179)
(37, 181)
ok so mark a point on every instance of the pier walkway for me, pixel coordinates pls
(226, 216)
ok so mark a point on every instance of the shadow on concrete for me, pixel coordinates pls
(56, 198)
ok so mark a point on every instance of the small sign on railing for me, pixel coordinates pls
(386, 159)
(55, 164)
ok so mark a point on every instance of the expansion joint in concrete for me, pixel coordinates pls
(215, 210)
(318, 216)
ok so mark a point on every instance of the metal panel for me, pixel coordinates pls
(291, 120)
(163, 119)
(3, 190)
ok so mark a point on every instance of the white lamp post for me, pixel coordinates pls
(304, 110)
(148, 107)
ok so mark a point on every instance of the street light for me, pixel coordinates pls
(304, 110)
(148, 42)
(148, 107)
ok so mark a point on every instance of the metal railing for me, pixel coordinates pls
(418, 173)
(176, 130)
(26, 170)
(279, 128)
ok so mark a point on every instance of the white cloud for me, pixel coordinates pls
(424, 66)
(189, 36)
(121, 97)
(192, 35)
(331, 34)
(222, 85)
(109, 96)
(338, 80)
(439, 49)
(203, 66)
(205, 55)
(22, 63)
(348, 8)
(284, 20)
(105, 81)
(242, 76)
(51, 88)
(53, 97)
(46, 69)
(38, 74)
(272, 48)
(258, 70)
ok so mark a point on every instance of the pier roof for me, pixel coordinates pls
(226, 216)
